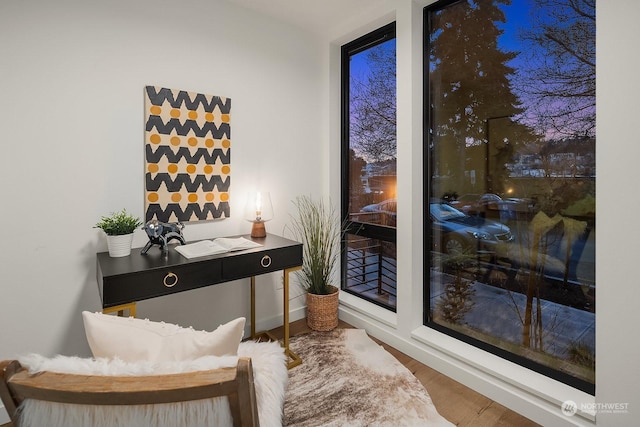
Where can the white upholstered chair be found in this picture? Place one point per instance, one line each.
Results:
(243, 389)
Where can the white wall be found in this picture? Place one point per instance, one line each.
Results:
(72, 75)
(71, 79)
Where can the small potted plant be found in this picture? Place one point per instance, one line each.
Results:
(119, 227)
(318, 228)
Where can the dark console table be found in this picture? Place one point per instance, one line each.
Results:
(125, 280)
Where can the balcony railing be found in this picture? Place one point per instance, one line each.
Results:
(371, 270)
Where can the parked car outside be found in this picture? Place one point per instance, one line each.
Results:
(454, 231)
(383, 213)
(493, 206)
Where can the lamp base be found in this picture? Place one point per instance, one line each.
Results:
(258, 229)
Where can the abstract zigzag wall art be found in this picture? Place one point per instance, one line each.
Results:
(187, 155)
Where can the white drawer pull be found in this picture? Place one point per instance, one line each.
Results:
(170, 280)
(265, 261)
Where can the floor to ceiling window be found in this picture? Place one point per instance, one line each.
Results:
(510, 178)
(369, 166)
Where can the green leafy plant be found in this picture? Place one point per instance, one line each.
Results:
(317, 226)
(118, 223)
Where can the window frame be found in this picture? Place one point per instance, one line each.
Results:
(387, 234)
(428, 320)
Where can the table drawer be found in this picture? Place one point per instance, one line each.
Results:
(261, 263)
(164, 281)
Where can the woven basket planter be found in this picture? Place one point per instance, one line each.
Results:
(322, 310)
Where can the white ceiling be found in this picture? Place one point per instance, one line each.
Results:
(318, 16)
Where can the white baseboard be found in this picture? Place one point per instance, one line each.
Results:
(266, 324)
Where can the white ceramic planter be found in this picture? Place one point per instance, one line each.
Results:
(119, 246)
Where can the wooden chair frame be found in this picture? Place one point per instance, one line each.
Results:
(236, 383)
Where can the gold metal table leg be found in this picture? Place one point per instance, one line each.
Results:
(253, 307)
(131, 307)
(294, 359)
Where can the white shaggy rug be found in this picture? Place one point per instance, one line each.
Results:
(346, 379)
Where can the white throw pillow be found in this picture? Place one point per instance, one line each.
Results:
(133, 340)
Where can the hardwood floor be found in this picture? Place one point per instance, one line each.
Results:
(457, 403)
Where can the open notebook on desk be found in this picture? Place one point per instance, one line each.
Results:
(219, 245)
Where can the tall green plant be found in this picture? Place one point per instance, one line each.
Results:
(317, 226)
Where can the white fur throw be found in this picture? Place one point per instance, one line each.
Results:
(270, 377)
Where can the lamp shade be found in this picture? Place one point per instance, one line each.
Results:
(258, 210)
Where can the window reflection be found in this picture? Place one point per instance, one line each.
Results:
(511, 162)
